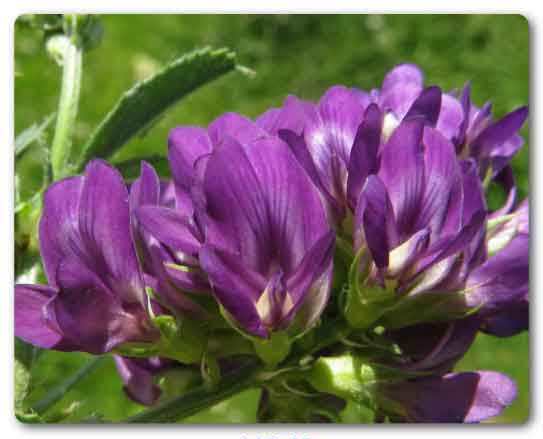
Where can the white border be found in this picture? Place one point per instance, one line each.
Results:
(11, 10)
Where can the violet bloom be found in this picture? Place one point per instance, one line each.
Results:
(502, 281)
(416, 219)
(138, 375)
(95, 299)
(468, 397)
(322, 136)
(268, 248)
(170, 268)
(172, 231)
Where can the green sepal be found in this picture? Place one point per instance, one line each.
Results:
(346, 376)
(364, 304)
(426, 308)
(182, 340)
(273, 350)
(210, 370)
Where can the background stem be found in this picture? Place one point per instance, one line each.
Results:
(58, 392)
(68, 105)
(201, 397)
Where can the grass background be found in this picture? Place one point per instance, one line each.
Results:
(291, 54)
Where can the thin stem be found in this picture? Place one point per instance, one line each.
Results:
(58, 392)
(68, 104)
(201, 397)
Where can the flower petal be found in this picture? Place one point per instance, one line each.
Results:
(426, 107)
(236, 288)
(105, 232)
(402, 172)
(400, 88)
(30, 324)
(363, 159)
(138, 381)
(470, 397)
(375, 216)
(273, 223)
(291, 116)
(185, 145)
(503, 279)
(236, 126)
(498, 132)
(89, 315)
(170, 227)
(59, 231)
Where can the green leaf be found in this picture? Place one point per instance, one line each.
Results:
(32, 134)
(142, 104)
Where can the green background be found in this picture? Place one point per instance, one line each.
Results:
(291, 54)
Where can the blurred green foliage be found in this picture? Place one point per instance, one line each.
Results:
(296, 54)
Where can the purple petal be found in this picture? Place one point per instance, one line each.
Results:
(299, 149)
(363, 159)
(58, 225)
(442, 174)
(375, 215)
(170, 227)
(426, 106)
(465, 102)
(238, 127)
(402, 172)
(400, 88)
(146, 188)
(436, 346)
(105, 232)
(401, 257)
(138, 381)
(315, 263)
(503, 279)
(236, 287)
(185, 146)
(89, 315)
(291, 116)
(30, 324)
(470, 397)
(329, 136)
(450, 118)
(499, 132)
(276, 221)
(508, 322)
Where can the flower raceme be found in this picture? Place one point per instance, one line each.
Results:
(366, 207)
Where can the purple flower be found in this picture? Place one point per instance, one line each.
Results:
(419, 211)
(268, 248)
(95, 299)
(138, 377)
(170, 229)
(247, 214)
(455, 397)
(168, 243)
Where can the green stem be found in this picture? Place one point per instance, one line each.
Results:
(58, 392)
(68, 104)
(201, 397)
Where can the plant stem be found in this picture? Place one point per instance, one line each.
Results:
(68, 104)
(58, 392)
(201, 397)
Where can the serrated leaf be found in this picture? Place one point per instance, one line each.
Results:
(146, 101)
(34, 133)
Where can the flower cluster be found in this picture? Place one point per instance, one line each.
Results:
(365, 212)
